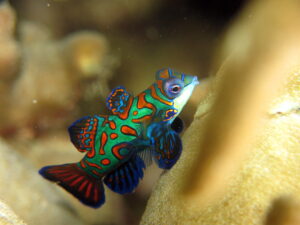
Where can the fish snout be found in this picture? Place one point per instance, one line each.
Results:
(195, 80)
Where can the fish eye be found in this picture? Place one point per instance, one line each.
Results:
(173, 87)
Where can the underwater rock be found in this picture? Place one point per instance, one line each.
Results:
(242, 151)
(30, 196)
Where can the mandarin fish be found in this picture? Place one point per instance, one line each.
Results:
(119, 146)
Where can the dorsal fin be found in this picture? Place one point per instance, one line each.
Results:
(118, 100)
(83, 132)
(167, 73)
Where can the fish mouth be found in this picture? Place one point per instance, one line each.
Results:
(195, 81)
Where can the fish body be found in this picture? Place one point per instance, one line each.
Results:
(119, 146)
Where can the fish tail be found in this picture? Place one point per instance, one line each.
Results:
(86, 188)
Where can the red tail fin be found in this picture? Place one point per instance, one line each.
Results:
(89, 190)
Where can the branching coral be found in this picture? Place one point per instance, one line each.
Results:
(242, 151)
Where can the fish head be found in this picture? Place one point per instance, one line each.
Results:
(176, 87)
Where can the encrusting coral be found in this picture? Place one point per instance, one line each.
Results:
(242, 151)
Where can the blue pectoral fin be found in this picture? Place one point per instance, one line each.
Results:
(126, 177)
(167, 147)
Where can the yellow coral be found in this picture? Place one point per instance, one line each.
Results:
(8, 217)
(242, 151)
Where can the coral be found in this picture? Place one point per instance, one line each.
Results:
(241, 154)
(60, 15)
(57, 75)
(10, 53)
(23, 190)
(43, 80)
(87, 57)
(9, 56)
(55, 150)
(8, 217)
(242, 150)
